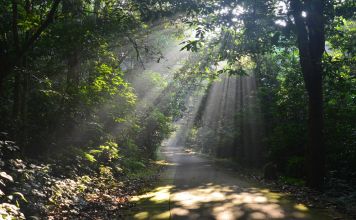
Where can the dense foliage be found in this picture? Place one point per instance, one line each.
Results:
(69, 100)
(306, 126)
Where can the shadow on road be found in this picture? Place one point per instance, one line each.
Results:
(193, 187)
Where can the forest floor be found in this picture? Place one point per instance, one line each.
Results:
(195, 187)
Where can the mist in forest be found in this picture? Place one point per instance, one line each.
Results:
(225, 120)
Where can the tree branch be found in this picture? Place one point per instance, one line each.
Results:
(39, 31)
(302, 40)
(7, 63)
(137, 51)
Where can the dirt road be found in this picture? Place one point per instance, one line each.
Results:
(193, 187)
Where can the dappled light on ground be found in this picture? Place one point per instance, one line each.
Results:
(159, 195)
(224, 201)
(164, 163)
(213, 201)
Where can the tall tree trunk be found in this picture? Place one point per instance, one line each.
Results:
(25, 89)
(16, 96)
(15, 34)
(4, 69)
(311, 45)
(315, 153)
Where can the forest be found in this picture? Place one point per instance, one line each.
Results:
(236, 109)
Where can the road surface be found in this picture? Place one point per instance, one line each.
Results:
(194, 187)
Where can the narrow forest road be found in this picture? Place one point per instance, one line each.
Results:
(193, 187)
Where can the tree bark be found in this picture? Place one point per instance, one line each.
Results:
(15, 34)
(311, 45)
(14, 26)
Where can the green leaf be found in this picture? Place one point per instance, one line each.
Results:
(90, 157)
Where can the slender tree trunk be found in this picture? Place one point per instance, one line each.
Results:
(16, 96)
(25, 89)
(17, 80)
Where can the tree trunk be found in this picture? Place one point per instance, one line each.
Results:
(24, 105)
(311, 45)
(315, 150)
(17, 81)
(4, 66)
(16, 96)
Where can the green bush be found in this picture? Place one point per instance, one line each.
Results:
(104, 154)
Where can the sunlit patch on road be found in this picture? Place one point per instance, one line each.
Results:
(158, 195)
(220, 202)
